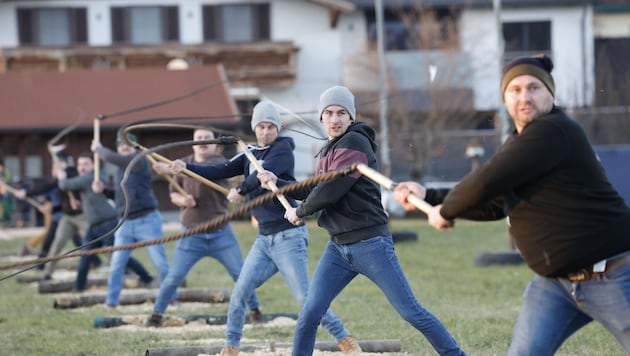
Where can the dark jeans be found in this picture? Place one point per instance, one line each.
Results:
(48, 240)
(93, 232)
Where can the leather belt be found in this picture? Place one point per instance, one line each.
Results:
(611, 264)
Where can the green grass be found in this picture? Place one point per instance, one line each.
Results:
(479, 305)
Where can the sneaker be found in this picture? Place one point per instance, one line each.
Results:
(350, 346)
(255, 316)
(229, 351)
(154, 321)
(24, 251)
(149, 284)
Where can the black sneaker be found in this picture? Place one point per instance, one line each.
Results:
(154, 321)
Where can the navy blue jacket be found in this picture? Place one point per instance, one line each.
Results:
(277, 158)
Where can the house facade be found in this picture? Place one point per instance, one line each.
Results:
(442, 58)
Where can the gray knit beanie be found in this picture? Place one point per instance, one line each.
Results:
(337, 95)
(265, 111)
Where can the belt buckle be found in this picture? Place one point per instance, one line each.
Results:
(580, 276)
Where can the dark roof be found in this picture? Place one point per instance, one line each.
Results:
(45, 101)
(472, 3)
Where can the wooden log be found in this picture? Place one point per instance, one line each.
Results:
(142, 296)
(178, 320)
(373, 346)
(29, 278)
(60, 286)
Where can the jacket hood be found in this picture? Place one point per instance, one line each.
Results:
(286, 140)
(365, 130)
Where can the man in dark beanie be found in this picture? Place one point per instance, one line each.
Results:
(569, 223)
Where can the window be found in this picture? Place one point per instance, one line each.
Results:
(57, 26)
(145, 25)
(415, 29)
(236, 23)
(523, 38)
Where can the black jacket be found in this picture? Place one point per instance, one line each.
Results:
(564, 213)
(351, 205)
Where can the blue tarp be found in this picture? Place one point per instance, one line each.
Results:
(616, 162)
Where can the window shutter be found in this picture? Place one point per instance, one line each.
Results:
(80, 25)
(119, 25)
(170, 14)
(262, 14)
(25, 26)
(209, 22)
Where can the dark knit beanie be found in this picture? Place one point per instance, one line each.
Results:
(539, 66)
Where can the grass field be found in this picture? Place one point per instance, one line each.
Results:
(479, 305)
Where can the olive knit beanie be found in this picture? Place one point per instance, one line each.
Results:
(539, 66)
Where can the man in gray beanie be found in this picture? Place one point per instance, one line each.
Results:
(360, 240)
(570, 224)
(265, 111)
(338, 95)
(280, 246)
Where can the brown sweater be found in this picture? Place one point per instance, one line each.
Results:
(210, 202)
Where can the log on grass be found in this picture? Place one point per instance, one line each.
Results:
(178, 320)
(212, 295)
(374, 346)
(60, 286)
(30, 278)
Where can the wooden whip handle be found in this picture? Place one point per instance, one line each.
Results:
(283, 200)
(97, 138)
(170, 179)
(29, 200)
(189, 173)
(389, 184)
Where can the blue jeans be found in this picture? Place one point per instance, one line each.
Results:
(285, 252)
(554, 308)
(219, 244)
(375, 259)
(93, 232)
(144, 228)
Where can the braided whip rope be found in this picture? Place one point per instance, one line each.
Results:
(207, 226)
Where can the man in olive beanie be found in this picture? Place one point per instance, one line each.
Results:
(537, 66)
(569, 223)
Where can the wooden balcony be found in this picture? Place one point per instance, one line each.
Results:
(246, 64)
